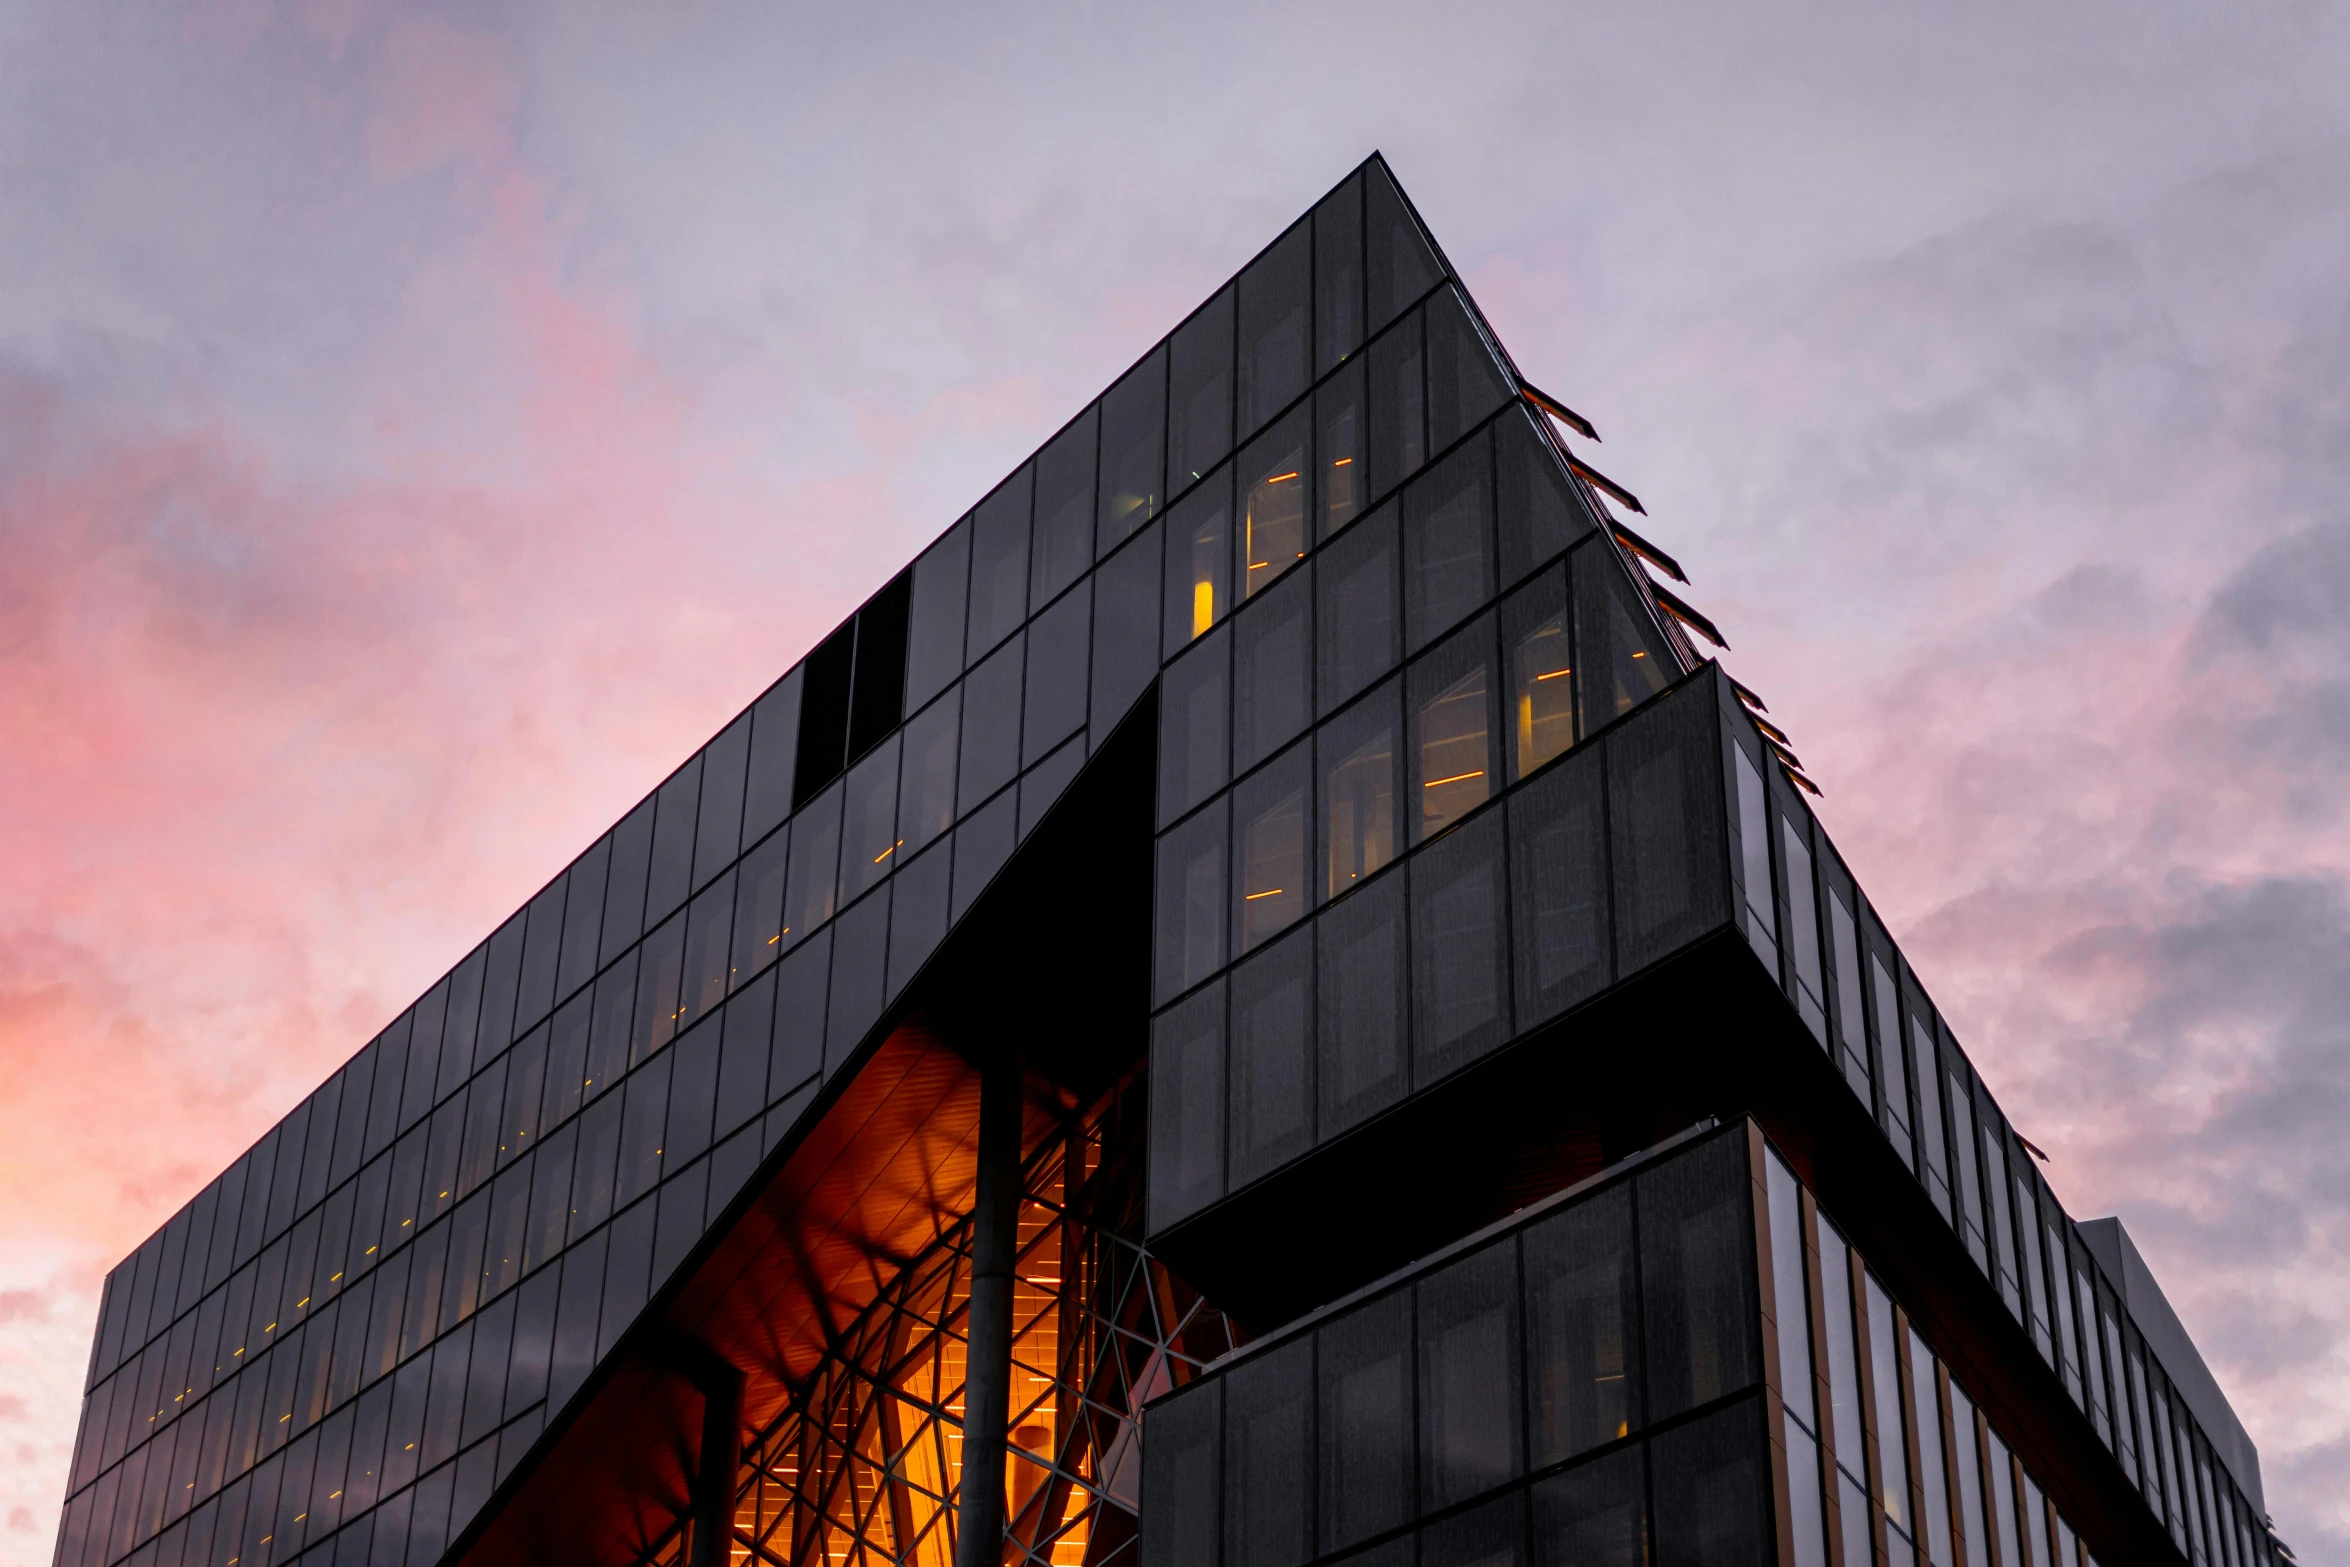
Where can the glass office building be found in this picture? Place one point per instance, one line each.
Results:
(1260, 1004)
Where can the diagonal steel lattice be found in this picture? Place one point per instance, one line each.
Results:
(861, 1468)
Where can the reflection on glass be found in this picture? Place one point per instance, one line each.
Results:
(1133, 433)
(869, 839)
(1338, 419)
(815, 854)
(926, 791)
(1274, 521)
(1271, 821)
(1199, 560)
(1542, 705)
(1358, 792)
(1357, 624)
(1638, 664)
(1451, 734)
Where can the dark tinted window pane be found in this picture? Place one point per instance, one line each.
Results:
(1593, 1516)
(982, 844)
(709, 952)
(1273, 326)
(497, 989)
(1361, 1016)
(868, 834)
(1448, 543)
(718, 831)
(595, 1158)
(758, 908)
(1187, 1108)
(673, 842)
(860, 963)
(627, 1274)
(1365, 1405)
(1625, 661)
(802, 984)
(934, 633)
(1398, 407)
(815, 857)
(999, 564)
(1199, 393)
(1125, 629)
(1469, 1376)
(926, 783)
(1340, 431)
(1697, 1277)
(1276, 477)
(1582, 1327)
(1134, 422)
(1465, 383)
(660, 982)
(991, 725)
(1199, 562)
(1541, 671)
(539, 952)
(1450, 694)
(1271, 827)
(1273, 667)
(1272, 1057)
(1558, 890)
(742, 1056)
(1267, 1487)
(918, 914)
(1057, 643)
(1666, 849)
(1338, 274)
(1708, 1478)
(459, 1032)
(642, 1123)
(1193, 735)
(1181, 1479)
(1460, 1006)
(1359, 626)
(775, 733)
(1401, 264)
(1541, 513)
(1190, 923)
(1064, 510)
(1356, 759)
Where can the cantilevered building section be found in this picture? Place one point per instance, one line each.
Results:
(1259, 1004)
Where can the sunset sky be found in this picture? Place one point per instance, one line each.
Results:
(421, 425)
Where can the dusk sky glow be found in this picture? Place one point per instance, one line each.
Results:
(421, 426)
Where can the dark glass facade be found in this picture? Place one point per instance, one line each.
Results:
(1290, 769)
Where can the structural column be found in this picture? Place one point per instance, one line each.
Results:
(987, 1384)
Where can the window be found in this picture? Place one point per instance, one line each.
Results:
(1187, 1108)
(1357, 759)
(1697, 1278)
(1398, 442)
(869, 838)
(1448, 543)
(1360, 1017)
(1469, 1376)
(1273, 670)
(1338, 424)
(1541, 513)
(1541, 673)
(934, 633)
(1464, 382)
(1338, 275)
(1754, 851)
(1271, 831)
(1460, 997)
(1357, 583)
(1275, 359)
(1064, 509)
(1364, 1369)
(999, 563)
(1803, 927)
(926, 784)
(1268, 1490)
(1199, 561)
(1925, 1387)
(1276, 478)
(1558, 889)
(1193, 734)
(1885, 1379)
(1272, 1089)
(991, 725)
(1190, 921)
(1133, 447)
(1451, 695)
(1199, 393)
(1582, 1325)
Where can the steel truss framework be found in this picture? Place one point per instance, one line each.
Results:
(862, 1467)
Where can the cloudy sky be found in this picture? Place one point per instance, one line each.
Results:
(420, 426)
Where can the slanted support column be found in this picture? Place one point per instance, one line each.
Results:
(987, 1385)
(720, 1464)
